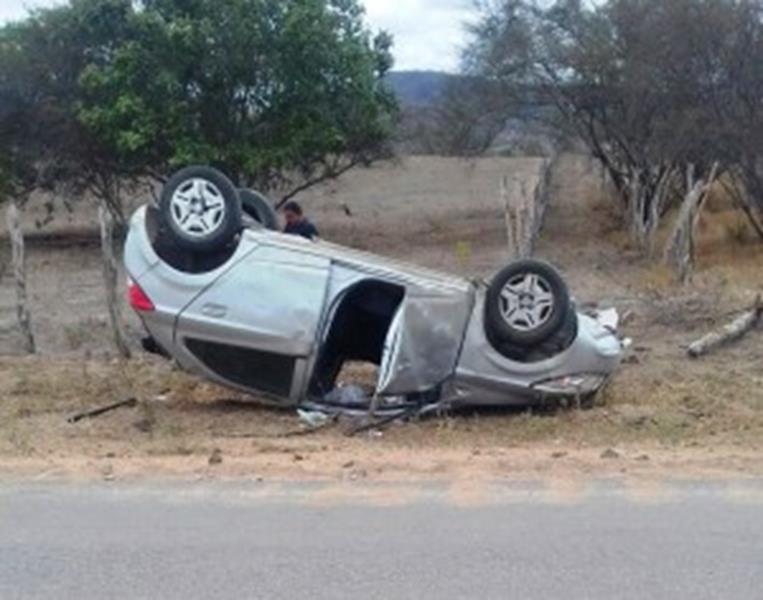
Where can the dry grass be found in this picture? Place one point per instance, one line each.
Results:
(660, 400)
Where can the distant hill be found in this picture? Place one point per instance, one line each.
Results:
(417, 89)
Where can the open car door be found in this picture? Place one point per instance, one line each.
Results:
(423, 343)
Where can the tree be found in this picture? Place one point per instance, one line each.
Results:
(20, 163)
(647, 85)
(276, 94)
(465, 120)
(13, 194)
(41, 60)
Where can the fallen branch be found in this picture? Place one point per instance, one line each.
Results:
(97, 412)
(731, 332)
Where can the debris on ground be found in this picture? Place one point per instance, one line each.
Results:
(374, 426)
(609, 318)
(216, 457)
(610, 454)
(313, 421)
(350, 396)
(108, 473)
(144, 425)
(313, 418)
(96, 412)
(732, 332)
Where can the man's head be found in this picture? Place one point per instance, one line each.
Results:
(292, 212)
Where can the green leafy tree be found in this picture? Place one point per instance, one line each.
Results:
(275, 93)
(98, 95)
(19, 173)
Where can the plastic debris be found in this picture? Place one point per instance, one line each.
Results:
(609, 318)
(313, 418)
(347, 395)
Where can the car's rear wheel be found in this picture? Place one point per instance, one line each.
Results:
(258, 207)
(526, 303)
(201, 209)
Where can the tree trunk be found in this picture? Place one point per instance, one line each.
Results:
(635, 202)
(752, 218)
(647, 193)
(657, 206)
(19, 273)
(110, 278)
(740, 195)
(680, 251)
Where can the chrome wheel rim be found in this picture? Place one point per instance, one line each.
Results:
(526, 302)
(198, 208)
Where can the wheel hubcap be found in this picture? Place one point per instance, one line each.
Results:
(526, 302)
(197, 208)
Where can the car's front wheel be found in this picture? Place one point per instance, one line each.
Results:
(201, 209)
(526, 304)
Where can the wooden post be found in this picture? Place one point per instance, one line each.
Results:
(19, 272)
(525, 222)
(111, 277)
(508, 213)
(524, 210)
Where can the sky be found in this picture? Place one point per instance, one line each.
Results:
(428, 33)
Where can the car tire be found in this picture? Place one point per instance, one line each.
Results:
(200, 209)
(526, 303)
(256, 206)
(560, 340)
(557, 343)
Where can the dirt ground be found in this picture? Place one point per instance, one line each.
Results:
(662, 416)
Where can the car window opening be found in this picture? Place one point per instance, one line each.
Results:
(354, 345)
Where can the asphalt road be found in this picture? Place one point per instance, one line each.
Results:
(249, 541)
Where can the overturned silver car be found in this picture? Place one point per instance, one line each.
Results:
(277, 315)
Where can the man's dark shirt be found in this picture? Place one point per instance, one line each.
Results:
(304, 228)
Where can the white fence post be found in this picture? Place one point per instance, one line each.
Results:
(18, 263)
(111, 277)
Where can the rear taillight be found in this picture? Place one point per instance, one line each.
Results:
(138, 298)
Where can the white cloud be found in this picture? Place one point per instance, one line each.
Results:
(429, 34)
(16, 9)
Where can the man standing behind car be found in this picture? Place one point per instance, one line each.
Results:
(297, 223)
